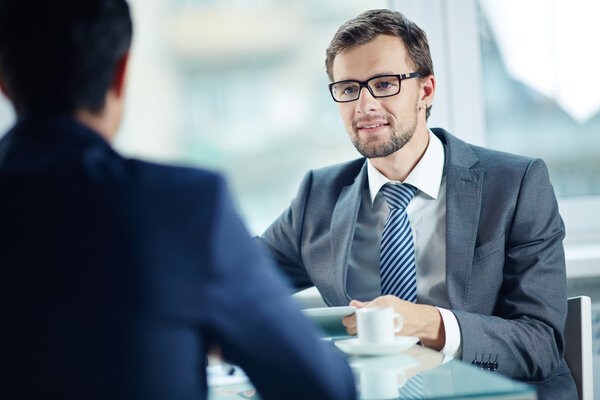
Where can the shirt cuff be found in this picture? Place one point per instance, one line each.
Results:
(452, 347)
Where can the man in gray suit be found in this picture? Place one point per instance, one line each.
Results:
(480, 273)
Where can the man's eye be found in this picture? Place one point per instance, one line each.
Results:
(349, 90)
(384, 85)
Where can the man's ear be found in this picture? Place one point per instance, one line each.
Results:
(428, 86)
(118, 84)
(427, 92)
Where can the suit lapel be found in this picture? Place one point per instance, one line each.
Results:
(343, 223)
(463, 204)
(464, 182)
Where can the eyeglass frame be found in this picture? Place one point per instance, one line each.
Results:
(365, 84)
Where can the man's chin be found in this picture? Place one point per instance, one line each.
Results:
(375, 151)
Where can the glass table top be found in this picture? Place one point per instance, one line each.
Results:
(417, 373)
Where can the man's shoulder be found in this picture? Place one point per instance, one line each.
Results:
(498, 158)
(457, 151)
(172, 199)
(146, 174)
(186, 187)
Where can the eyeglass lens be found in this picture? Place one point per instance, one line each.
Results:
(380, 86)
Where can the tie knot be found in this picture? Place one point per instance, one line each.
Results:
(399, 195)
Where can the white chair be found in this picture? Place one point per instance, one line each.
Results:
(578, 345)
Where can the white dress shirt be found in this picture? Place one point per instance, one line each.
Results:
(427, 216)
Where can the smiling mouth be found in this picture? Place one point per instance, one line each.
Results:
(372, 123)
(371, 126)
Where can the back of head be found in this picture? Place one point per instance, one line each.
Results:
(60, 55)
(372, 23)
(68, 280)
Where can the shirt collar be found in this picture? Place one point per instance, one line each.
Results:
(426, 176)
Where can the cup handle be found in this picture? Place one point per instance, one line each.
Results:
(398, 320)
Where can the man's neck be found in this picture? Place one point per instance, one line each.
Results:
(98, 122)
(397, 166)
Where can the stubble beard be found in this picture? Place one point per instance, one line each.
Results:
(374, 147)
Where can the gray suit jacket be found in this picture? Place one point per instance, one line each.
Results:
(505, 265)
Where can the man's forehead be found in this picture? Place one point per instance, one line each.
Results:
(385, 54)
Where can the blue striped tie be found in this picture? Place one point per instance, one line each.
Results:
(412, 389)
(397, 255)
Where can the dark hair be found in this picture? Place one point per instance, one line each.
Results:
(368, 25)
(61, 55)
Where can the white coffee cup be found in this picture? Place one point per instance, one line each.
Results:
(377, 325)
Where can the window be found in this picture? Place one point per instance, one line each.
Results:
(239, 86)
(540, 86)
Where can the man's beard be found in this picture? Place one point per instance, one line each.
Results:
(401, 134)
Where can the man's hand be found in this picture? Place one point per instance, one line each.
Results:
(419, 320)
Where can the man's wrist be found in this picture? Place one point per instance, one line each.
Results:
(452, 347)
(434, 334)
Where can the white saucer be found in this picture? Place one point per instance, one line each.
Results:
(353, 346)
(391, 362)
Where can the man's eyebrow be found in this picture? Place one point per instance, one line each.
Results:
(382, 74)
(369, 78)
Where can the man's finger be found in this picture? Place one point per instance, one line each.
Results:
(358, 304)
(349, 321)
(351, 330)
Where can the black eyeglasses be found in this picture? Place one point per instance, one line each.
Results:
(379, 86)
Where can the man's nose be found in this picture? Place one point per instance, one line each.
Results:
(366, 102)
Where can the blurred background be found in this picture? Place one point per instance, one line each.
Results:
(240, 86)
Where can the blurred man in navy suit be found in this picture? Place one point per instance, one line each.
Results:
(118, 275)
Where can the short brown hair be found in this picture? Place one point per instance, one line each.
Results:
(372, 23)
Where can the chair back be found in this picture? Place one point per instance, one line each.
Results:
(578, 345)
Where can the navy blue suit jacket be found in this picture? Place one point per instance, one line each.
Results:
(119, 275)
